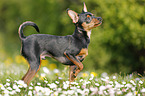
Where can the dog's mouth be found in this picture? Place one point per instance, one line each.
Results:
(98, 21)
(98, 24)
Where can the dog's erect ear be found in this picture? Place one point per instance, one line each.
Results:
(85, 8)
(73, 15)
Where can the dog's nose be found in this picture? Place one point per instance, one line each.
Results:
(99, 18)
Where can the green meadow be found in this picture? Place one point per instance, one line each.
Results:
(52, 81)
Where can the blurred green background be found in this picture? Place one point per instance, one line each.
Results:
(118, 45)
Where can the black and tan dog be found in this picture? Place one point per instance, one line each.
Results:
(69, 50)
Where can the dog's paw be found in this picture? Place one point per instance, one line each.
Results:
(74, 76)
(74, 72)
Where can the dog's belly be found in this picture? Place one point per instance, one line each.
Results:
(61, 59)
(64, 60)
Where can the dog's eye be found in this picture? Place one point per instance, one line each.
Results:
(88, 19)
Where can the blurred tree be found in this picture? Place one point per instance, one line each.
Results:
(118, 45)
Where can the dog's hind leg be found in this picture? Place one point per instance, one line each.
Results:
(33, 69)
(33, 57)
(31, 52)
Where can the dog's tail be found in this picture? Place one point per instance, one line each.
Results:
(27, 23)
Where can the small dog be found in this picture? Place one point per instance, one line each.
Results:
(69, 50)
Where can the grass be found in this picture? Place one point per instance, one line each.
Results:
(54, 82)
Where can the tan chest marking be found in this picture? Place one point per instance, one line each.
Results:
(83, 52)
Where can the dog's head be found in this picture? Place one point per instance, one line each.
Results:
(85, 20)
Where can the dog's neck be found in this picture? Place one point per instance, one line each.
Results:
(81, 34)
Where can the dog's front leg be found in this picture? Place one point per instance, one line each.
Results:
(71, 72)
(76, 62)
